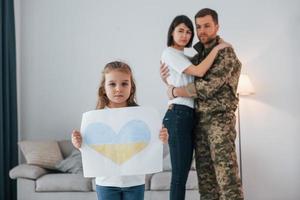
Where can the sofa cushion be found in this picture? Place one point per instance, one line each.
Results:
(72, 164)
(162, 180)
(42, 153)
(167, 163)
(66, 147)
(165, 150)
(63, 183)
(27, 171)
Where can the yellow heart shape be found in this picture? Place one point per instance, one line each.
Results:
(119, 153)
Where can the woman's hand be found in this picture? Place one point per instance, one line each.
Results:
(222, 44)
(164, 135)
(170, 92)
(76, 139)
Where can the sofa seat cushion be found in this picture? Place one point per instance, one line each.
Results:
(162, 180)
(63, 183)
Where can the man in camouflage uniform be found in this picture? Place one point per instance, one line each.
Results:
(215, 105)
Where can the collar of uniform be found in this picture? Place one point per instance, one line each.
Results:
(199, 47)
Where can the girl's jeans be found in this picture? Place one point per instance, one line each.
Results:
(179, 120)
(120, 193)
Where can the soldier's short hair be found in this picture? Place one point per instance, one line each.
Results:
(176, 21)
(207, 11)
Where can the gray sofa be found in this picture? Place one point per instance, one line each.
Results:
(36, 183)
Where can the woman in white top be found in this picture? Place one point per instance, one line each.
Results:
(179, 118)
(117, 89)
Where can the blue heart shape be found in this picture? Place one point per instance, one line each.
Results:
(132, 132)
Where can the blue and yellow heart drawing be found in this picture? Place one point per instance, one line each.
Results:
(119, 147)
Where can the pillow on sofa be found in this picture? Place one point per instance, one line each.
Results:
(42, 153)
(167, 163)
(27, 171)
(72, 164)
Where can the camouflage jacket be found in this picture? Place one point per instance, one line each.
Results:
(216, 90)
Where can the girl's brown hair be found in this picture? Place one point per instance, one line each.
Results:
(121, 67)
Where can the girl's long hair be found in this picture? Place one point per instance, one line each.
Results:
(121, 67)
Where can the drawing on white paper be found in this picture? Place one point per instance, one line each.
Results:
(132, 138)
(121, 142)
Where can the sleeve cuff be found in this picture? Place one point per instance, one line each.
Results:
(191, 90)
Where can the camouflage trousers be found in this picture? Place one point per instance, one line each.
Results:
(216, 160)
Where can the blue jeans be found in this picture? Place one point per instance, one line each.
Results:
(120, 193)
(179, 120)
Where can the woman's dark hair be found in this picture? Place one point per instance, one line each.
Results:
(176, 21)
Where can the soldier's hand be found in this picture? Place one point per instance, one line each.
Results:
(164, 72)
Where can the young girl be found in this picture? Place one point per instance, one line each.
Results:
(180, 116)
(117, 89)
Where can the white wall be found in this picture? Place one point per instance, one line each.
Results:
(64, 44)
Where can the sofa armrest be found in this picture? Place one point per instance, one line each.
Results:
(27, 171)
